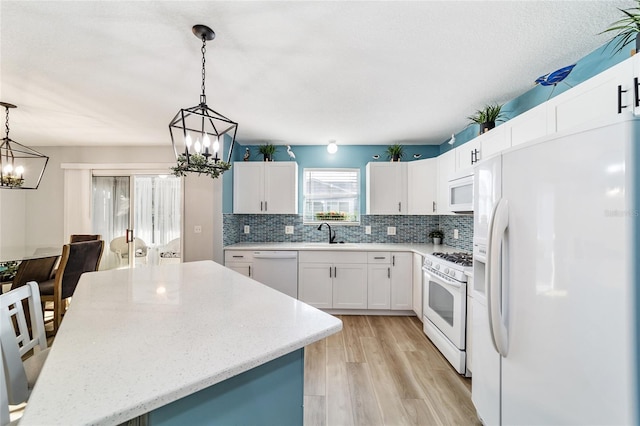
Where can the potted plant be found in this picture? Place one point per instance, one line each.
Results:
(395, 152)
(267, 150)
(487, 117)
(437, 236)
(627, 29)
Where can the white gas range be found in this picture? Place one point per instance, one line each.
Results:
(445, 304)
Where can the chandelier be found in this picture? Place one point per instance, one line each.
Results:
(20, 167)
(197, 133)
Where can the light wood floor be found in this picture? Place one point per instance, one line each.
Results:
(383, 371)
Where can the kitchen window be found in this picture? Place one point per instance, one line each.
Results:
(331, 195)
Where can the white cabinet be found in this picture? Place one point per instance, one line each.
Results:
(265, 187)
(446, 167)
(603, 96)
(529, 125)
(239, 261)
(468, 154)
(386, 187)
(401, 281)
(417, 284)
(492, 142)
(390, 281)
(379, 289)
(422, 184)
(328, 279)
(315, 284)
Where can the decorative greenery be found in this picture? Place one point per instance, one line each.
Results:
(436, 233)
(331, 216)
(8, 270)
(12, 181)
(627, 28)
(198, 163)
(267, 149)
(487, 114)
(395, 151)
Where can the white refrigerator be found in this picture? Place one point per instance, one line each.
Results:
(554, 315)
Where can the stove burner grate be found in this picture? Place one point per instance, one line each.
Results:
(459, 258)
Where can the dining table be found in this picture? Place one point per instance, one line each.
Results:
(192, 343)
(27, 252)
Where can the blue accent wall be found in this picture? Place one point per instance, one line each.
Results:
(593, 64)
(316, 156)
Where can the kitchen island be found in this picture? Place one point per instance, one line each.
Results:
(192, 343)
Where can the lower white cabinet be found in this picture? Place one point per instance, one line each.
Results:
(356, 280)
(315, 285)
(401, 281)
(239, 261)
(337, 280)
(417, 284)
(379, 291)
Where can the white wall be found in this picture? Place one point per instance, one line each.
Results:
(42, 210)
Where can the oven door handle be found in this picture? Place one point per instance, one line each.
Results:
(493, 276)
(440, 281)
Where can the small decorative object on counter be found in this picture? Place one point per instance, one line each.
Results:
(267, 150)
(331, 216)
(437, 236)
(395, 152)
(247, 154)
(487, 117)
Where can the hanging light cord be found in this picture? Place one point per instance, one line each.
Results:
(203, 96)
(6, 123)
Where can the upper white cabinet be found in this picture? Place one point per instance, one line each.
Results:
(468, 154)
(265, 187)
(422, 181)
(528, 126)
(446, 167)
(386, 184)
(607, 94)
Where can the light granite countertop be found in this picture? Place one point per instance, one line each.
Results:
(421, 249)
(136, 339)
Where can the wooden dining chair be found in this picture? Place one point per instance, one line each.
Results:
(77, 258)
(17, 339)
(77, 238)
(37, 270)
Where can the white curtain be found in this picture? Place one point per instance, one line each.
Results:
(157, 209)
(110, 206)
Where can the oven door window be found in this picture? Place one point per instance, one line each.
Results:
(441, 301)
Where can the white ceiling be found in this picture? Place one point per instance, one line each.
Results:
(295, 72)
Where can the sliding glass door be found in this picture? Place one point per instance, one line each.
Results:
(139, 218)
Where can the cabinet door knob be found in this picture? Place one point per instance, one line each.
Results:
(620, 106)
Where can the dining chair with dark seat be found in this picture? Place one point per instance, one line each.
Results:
(38, 270)
(77, 258)
(77, 238)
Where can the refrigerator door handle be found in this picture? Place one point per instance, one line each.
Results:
(493, 276)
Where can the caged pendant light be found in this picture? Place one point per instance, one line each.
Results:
(20, 166)
(197, 133)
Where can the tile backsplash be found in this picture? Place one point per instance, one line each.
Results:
(409, 229)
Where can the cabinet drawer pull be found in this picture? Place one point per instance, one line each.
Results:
(620, 106)
(249, 270)
(388, 272)
(379, 257)
(330, 272)
(335, 272)
(265, 206)
(238, 256)
(260, 205)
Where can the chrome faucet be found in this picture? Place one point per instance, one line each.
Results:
(332, 235)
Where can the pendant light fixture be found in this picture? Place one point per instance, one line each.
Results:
(197, 133)
(20, 167)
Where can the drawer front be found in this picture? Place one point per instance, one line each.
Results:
(379, 257)
(332, 256)
(238, 256)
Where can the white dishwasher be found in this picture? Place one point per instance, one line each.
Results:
(277, 269)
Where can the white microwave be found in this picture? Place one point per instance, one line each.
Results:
(461, 194)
